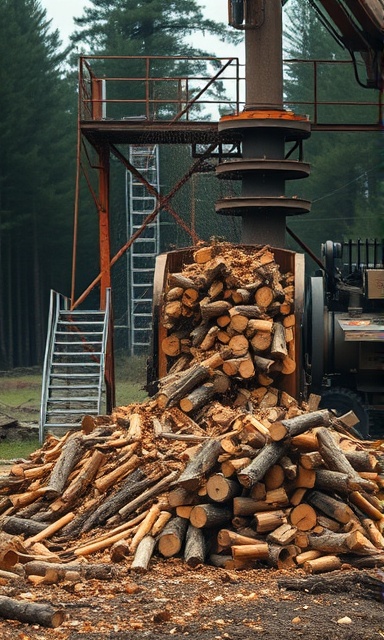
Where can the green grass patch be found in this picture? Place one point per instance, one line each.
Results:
(14, 449)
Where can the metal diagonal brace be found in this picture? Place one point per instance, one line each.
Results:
(163, 202)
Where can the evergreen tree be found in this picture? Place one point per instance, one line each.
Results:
(36, 178)
(345, 178)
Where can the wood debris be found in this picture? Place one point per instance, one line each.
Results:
(239, 476)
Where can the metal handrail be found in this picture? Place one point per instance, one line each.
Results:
(104, 340)
(57, 303)
(191, 89)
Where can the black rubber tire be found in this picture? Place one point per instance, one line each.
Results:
(344, 400)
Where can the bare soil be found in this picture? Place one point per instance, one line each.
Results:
(200, 604)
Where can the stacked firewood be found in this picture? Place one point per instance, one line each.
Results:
(302, 493)
(222, 465)
(238, 306)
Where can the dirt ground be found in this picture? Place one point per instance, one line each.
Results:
(201, 604)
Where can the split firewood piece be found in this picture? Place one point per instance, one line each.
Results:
(31, 612)
(241, 296)
(195, 547)
(172, 537)
(84, 478)
(212, 271)
(255, 325)
(196, 469)
(216, 289)
(104, 482)
(203, 254)
(303, 517)
(305, 478)
(307, 555)
(269, 455)
(322, 564)
(373, 532)
(171, 314)
(230, 467)
(362, 503)
(299, 424)
(337, 461)
(226, 538)
(50, 530)
(250, 551)
(210, 338)
(209, 515)
(159, 524)
(269, 520)
(143, 554)
(188, 380)
(68, 459)
(190, 298)
(331, 507)
(305, 441)
(311, 460)
(222, 489)
(284, 534)
(145, 527)
(279, 345)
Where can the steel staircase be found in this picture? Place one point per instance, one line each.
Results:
(74, 366)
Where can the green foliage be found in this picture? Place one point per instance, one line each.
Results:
(346, 180)
(37, 138)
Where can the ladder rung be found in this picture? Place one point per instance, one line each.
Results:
(90, 354)
(70, 376)
(74, 343)
(67, 412)
(77, 387)
(73, 399)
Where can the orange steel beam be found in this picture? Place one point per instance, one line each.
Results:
(161, 204)
(104, 226)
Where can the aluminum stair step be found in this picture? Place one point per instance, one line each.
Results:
(69, 412)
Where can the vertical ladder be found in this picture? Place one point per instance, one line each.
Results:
(145, 249)
(74, 365)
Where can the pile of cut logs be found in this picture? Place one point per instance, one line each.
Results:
(220, 466)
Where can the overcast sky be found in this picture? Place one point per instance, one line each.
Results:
(62, 12)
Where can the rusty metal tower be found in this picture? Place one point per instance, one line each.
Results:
(264, 128)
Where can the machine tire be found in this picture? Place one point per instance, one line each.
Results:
(343, 400)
